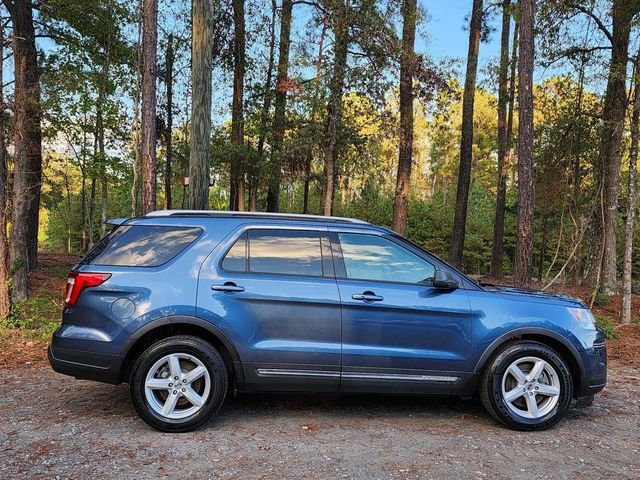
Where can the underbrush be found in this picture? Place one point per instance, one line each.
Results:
(608, 326)
(36, 319)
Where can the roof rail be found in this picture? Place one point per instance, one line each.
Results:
(262, 215)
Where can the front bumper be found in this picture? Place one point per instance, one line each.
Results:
(83, 363)
(595, 378)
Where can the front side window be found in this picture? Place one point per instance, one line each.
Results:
(370, 257)
(286, 252)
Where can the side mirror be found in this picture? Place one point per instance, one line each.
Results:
(444, 280)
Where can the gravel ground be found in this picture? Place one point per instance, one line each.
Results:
(57, 427)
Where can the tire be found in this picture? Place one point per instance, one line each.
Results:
(513, 397)
(183, 405)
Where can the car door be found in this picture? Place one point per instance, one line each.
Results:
(399, 333)
(274, 293)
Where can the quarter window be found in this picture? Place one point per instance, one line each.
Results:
(285, 252)
(236, 258)
(370, 257)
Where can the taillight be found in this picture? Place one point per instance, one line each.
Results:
(78, 281)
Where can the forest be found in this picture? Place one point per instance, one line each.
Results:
(520, 166)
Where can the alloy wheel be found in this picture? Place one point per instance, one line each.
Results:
(177, 386)
(530, 387)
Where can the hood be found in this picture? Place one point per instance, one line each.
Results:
(535, 296)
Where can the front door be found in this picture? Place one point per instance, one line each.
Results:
(274, 293)
(399, 333)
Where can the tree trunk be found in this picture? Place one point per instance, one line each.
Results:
(236, 200)
(5, 271)
(27, 172)
(614, 110)
(136, 120)
(524, 236)
(466, 141)
(168, 133)
(279, 118)
(503, 143)
(101, 157)
(631, 198)
(340, 25)
(543, 247)
(201, 47)
(149, 50)
(266, 107)
(405, 151)
(314, 118)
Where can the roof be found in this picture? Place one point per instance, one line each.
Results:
(259, 215)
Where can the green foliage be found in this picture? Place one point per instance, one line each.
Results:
(608, 326)
(37, 318)
(602, 300)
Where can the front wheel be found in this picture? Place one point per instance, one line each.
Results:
(178, 383)
(527, 386)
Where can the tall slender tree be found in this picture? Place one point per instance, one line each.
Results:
(631, 197)
(340, 22)
(27, 172)
(623, 13)
(280, 103)
(602, 268)
(199, 154)
(466, 141)
(149, 139)
(5, 271)
(236, 199)
(168, 130)
(101, 157)
(503, 142)
(405, 151)
(264, 114)
(524, 238)
(314, 117)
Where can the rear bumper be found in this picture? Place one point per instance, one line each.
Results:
(85, 364)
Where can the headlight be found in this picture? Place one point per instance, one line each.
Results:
(584, 317)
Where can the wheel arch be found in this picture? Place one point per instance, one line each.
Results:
(165, 327)
(547, 337)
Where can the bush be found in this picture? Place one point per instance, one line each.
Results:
(37, 317)
(601, 299)
(608, 326)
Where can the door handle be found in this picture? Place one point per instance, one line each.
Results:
(367, 297)
(228, 287)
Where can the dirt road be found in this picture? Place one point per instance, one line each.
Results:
(57, 427)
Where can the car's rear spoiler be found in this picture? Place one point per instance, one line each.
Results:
(115, 222)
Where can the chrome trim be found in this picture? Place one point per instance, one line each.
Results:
(280, 372)
(398, 376)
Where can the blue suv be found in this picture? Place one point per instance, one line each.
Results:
(186, 306)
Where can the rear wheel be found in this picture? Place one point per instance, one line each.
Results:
(178, 383)
(527, 386)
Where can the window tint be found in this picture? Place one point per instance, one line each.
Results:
(369, 257)
(141, 245)
(236, 258)
(285, 252)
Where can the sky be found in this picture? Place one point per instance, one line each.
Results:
(447, 29)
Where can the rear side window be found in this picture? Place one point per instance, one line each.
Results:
(285, 252)
(141, 245)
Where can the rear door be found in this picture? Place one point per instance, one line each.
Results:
(273, 292)
(399, 333)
